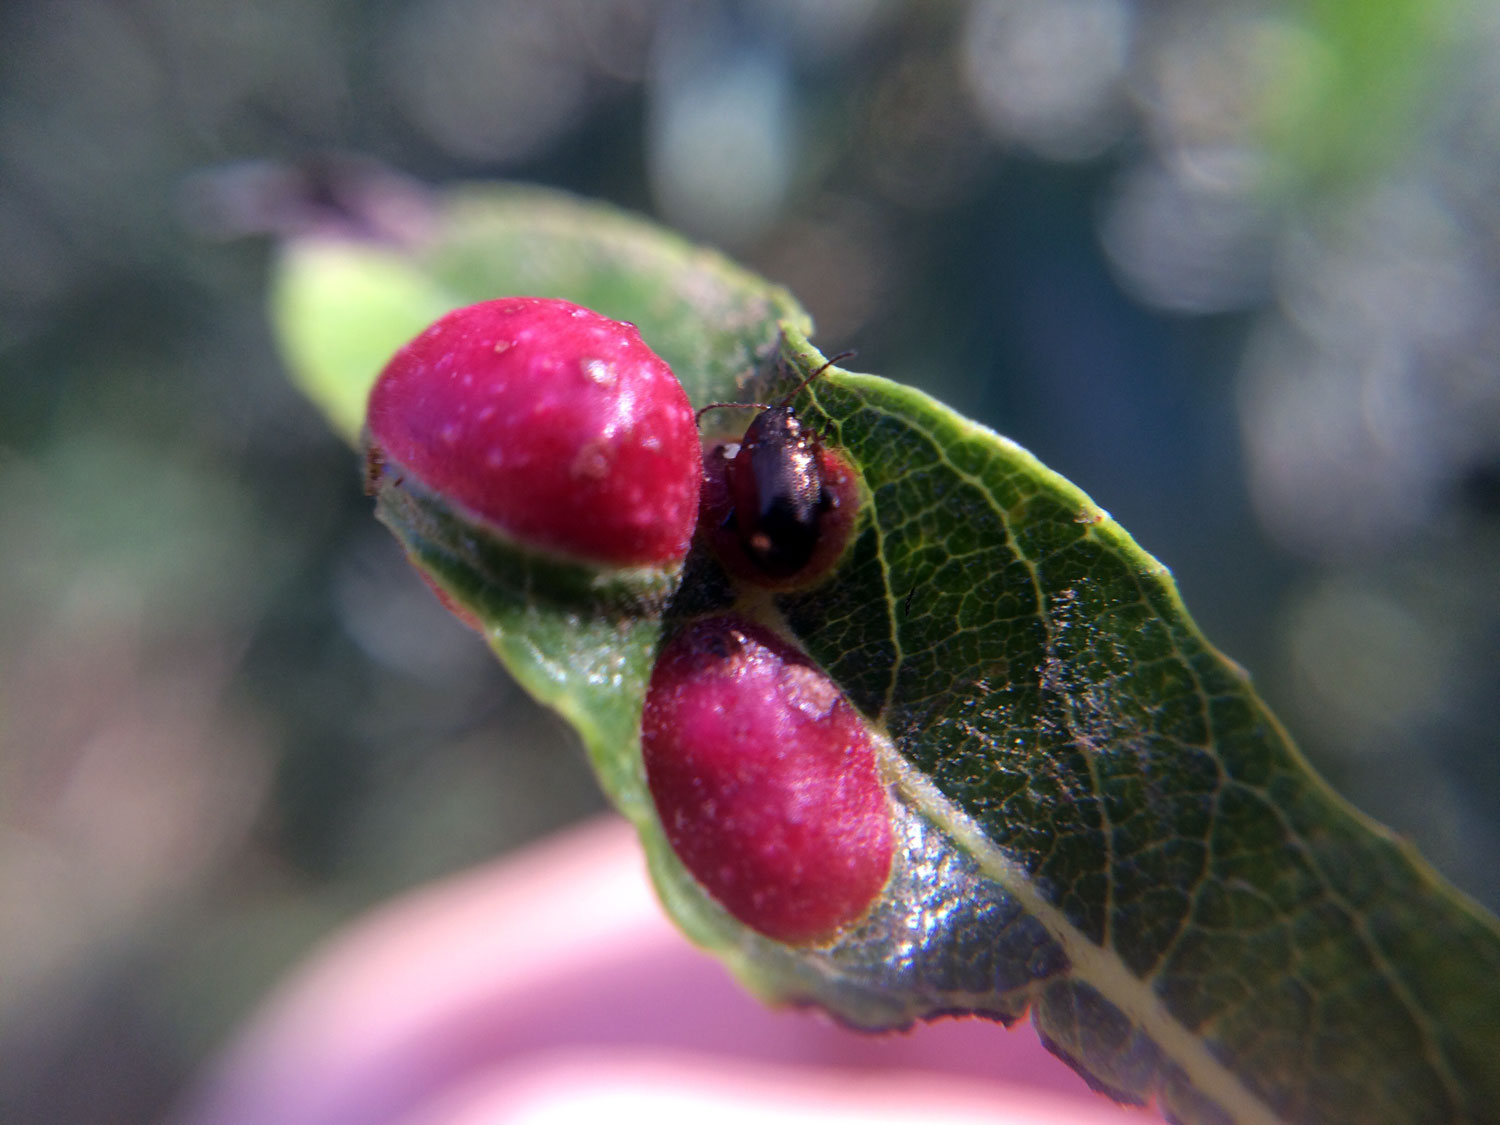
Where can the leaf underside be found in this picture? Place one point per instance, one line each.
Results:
(1101, 823)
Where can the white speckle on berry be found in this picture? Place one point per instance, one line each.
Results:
(600, 372)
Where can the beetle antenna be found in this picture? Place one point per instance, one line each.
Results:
(698, 417)
(826, 365)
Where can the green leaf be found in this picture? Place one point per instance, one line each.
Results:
(1100, 822)
(342, 306)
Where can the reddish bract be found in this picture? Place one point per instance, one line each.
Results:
(552, 422)
(765, 781)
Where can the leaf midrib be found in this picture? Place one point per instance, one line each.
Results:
(1096, 964)
(1099, 967)
(1136, 1000)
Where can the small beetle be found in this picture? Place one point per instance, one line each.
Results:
(776, 484)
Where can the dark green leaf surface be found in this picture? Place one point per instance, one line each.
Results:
(1100, 822)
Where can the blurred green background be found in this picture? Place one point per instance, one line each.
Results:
(1233, 268)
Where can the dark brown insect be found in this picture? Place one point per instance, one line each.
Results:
(776, 484)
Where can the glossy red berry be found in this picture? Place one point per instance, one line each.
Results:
(765, 781)
(555, 424)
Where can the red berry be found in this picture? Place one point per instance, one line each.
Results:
(552, 422)
(765, 781)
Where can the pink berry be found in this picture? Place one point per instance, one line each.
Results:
(765, 781)
(555, 424)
